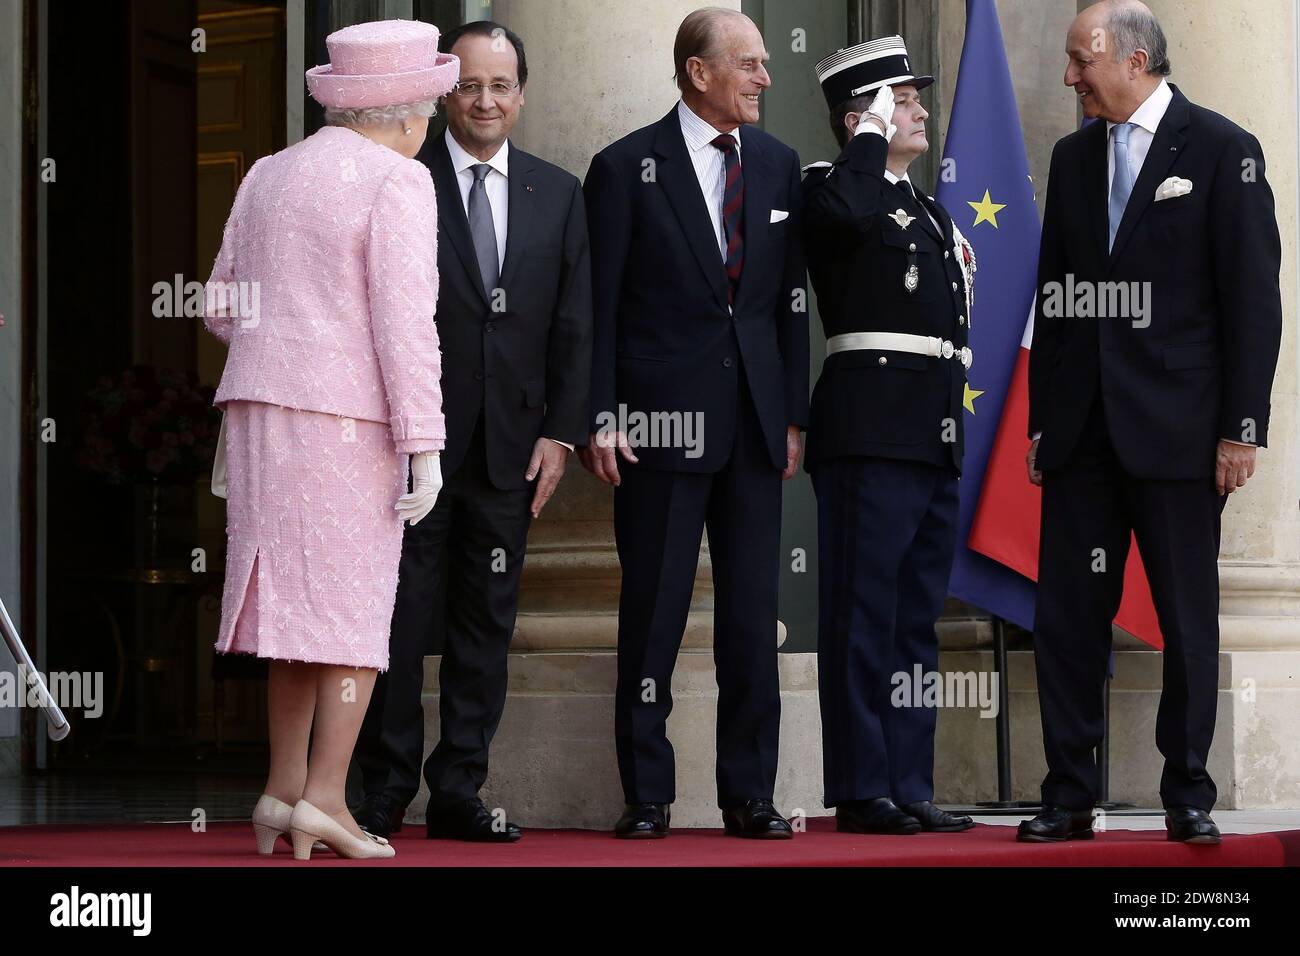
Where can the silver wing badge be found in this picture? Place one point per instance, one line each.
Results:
(902, 218)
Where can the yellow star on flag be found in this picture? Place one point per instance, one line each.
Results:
(986, 210)
(968, 399)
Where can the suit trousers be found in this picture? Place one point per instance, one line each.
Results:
(474, 542)
(659, 517)
(1090, 509)
(886, 535)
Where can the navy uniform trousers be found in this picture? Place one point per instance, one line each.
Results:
(473, 542)
(886, 533)
(659, 517)
(1090, 503)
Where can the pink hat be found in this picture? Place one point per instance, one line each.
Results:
(383, 63)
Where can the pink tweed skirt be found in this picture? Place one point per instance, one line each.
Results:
(313, 541)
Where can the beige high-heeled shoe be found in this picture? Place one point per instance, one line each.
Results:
(308, 824)
(270, 822)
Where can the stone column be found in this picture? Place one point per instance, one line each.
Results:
(597, 72)
(1259, 563)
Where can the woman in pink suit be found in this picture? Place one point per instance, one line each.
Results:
(325, 289)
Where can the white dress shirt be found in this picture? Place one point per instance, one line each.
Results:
(710, 165)
(1145, 119)
(496, 184)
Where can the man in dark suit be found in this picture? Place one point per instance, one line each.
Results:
(1143, 421)
(885, 440)
(700, 326)
(514, 324)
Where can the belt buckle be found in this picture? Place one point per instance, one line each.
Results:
(967, 356)
(946, 349)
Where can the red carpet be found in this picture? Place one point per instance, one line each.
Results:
(231, 844)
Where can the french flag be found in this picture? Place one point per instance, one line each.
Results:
(1006, 523)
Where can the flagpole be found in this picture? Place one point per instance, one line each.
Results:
(1103, 751)
(1004, 710)
(1004, 803)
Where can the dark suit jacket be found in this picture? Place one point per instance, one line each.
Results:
(1206, 361)
(664, 341)
(523, 358)
(910, 407)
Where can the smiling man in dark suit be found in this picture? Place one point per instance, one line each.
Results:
(1143, 422)
(514, 323)
(700, 319)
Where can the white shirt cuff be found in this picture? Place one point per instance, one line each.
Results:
(564, 443)
(1246, 443)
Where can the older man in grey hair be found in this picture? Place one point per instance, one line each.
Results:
(1143, 423)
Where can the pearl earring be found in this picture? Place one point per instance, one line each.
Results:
(406, 131)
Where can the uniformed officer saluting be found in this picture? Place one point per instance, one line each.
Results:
(885, 439)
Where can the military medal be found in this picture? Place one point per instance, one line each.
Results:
(902, 218)
(912, 277)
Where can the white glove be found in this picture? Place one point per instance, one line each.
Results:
(882, 108)
(220, 486)
(426, 482)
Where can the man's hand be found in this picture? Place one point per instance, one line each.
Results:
(793, 451)
(601, 459)
(1233, 464)
(1031, 462)
(881, 110)
(549, 459)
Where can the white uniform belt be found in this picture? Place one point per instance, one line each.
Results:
(899, 342)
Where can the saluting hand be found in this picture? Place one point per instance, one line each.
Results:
(882, 108)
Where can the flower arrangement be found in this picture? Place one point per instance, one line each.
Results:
(150, 425)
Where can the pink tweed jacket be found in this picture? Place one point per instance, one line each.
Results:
(326, 285)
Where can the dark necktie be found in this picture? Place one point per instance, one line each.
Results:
(929, 219)
(733, 213)
(482, 229)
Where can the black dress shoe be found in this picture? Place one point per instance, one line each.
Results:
(1056, 824)
(756, 820)
(379, 815)
(470, 821)
(880, 815)
(1190, 825)
(934, 820)
(643, 821)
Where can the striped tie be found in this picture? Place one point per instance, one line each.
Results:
(733, 213)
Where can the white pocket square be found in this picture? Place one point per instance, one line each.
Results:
(778, 215)
(1172, 187)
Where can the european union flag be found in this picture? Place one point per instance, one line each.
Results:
(984, 184)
